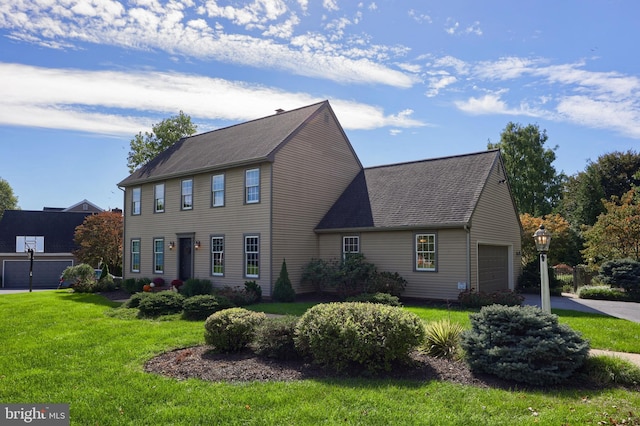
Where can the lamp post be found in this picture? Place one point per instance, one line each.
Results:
(542, 237)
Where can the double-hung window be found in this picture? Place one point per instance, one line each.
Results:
(217, 191)
(217, 256)
(135, 201)
(425, 252)
(187, 194)
(252, 256)
(252, 186)
(159, 198)
(350, 244)
(158, 255)
(135, 255)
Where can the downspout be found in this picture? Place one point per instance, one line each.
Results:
(468, 230)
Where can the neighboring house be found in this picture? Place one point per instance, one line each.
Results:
(50, 233)
(230, 205)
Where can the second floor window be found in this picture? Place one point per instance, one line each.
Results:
(158, 255)
(135, 255)
(187, 194)
(159, 196)
(135, 201)
(252, 186)
(217, 190)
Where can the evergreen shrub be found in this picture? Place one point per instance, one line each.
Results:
(442, 339)
(381, 298)
(135, 299)
(274, 338)
(478, 299)
(160, 303)
(200, 307)
(230, 330)
(82, 278)
(523, 344)
(254, 292)
(601, 292)
(195, 286)
(358, 335)
(623, 273)
(283, 290)
(387, 282)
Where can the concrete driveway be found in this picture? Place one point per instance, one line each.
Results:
(625, 310)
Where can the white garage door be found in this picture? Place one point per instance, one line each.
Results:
(493, 268)
(46, 273)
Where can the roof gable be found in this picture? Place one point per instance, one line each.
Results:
(242, 143)
(430, 193)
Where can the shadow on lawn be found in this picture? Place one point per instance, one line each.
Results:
(94, 298)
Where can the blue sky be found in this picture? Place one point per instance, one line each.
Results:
(408, 80)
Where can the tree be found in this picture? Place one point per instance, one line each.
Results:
(8, 201)
(562, 241)
(99, 239)
(616, 233)
(283, 290)
(535, 184)
(163, 135)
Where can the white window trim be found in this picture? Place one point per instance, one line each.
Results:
(134, 253)
(417, 253)
(136, 202)
(355, 238)
(156, 198)
(213, 273)
(214, 191)
(183, 195)
(246, 186)
(246, 256)
(155, 254)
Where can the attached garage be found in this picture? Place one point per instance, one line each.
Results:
(46, 273)
(493, 268)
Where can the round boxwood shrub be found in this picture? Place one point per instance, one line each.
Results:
(523, 344)
(274, 338)
(381, 298)
(160, 303)
(358, 335)
(135, 299)
(230, 330)
(202, 306)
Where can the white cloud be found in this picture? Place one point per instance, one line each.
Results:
(86, 100)
(439, 82)
(623, 117)
(331, 5)
(420, 17)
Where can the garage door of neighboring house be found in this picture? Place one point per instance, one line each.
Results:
(46, 273)
(493, 268)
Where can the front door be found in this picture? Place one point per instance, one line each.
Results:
(185, 258)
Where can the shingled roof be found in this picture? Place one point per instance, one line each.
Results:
(243, 143)
(57, 228)
(431, 193)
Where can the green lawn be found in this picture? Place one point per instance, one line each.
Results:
(60, 347)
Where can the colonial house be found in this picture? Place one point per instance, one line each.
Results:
(50, 233)
(231, 204)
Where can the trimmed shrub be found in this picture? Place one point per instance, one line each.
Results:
(82, 278)
(160, 303)
(478, 299)
(320, 274)
(283, 290)
(230, 330)
(523, 344)
(358, 335)
(380, 298)
(442, 339)
(601, 292)
(194, 286)
(274, 338)
(105, 283)
(254, 291)
(387, 282)
(200, 307)
(623, 273)
(354, 274)
(237, 296)
(135, 299)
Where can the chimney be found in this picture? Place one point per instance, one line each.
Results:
(279, 111)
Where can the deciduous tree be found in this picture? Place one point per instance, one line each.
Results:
(562, 243)
(164, 134)
(99, 239)
(8, 201)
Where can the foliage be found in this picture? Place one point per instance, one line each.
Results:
(283, 290)
(380, 298)
(478, 299)
(535, 184)
(623, 273)
(616, 233)
(237, 296)
(529, 280)
(607, 370)
(163, 135)
(195, 286)
(8, 201)
(105, 283)
(160, 303)
(523, 344)
(200, 307)
(82, 277)
(158, 282)
(387, 282)
(274, 338)
(99, 239)
(230, 330)
(442, 339)
(353, 275)
(601, 292)
(564, 242)
(361, 335)
(320, 273)
(135, 299)
(254, 290)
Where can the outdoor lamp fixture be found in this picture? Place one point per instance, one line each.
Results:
(542, 237)
(197, 245)
(172, 244)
